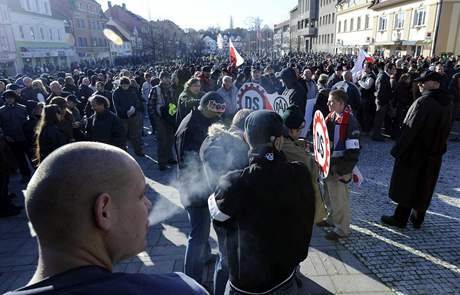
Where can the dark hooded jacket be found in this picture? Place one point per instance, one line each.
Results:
(294, 91)
(419, 150)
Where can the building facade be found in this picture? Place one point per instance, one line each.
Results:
(307, 24)
(405, 27)
(325, 41)
(85, 25)
(354, 26)
(7, 44)
(281, 35)
(40, 37)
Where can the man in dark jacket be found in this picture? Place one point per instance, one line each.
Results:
(13, 117)
(383, 96)
(293, 90)
(28, 92)
(164, 105)
(366, 111)
(56, 90)
(266, 211)
(126, 104)
(104, 126)
(193, 187)
(336, 77)
(418, 152)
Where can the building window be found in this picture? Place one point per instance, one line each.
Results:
(32, 33)
(51, 34)
(339, 28)
(383, 23)
(366, 22)
(344, 26)
(42, 34)
(59, 35)
(352, 25)
(419, 17)
(333, 17)
(21, 32)
(47, 9)
(332, 38)
(28, 4)
(399, 20)
(37, 5)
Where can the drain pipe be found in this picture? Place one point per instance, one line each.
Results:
(438, 16)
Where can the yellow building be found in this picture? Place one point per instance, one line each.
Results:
(447, 38)
(423, 27)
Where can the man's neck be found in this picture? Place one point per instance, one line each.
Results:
(52, 262)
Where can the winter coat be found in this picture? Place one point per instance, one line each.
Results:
(295, 93)
(419, 150)
(190, 135)
(221, 152)
(230, 100)
(187, 102)
(295, 152)
(383, 91)
(50, 139)
(270, 205)
(12, 120)
(107, 128)
(123, 100)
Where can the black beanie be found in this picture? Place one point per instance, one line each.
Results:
(261, 125)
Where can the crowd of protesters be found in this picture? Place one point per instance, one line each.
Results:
(246, 162)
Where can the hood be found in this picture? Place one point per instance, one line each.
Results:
(289, 77)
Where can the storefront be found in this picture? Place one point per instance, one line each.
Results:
(7, 64)
(39, 58)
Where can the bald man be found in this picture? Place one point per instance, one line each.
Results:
(88, 221)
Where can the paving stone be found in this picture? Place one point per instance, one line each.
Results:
(357, 283)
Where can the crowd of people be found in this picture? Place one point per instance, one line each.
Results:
(235, 166)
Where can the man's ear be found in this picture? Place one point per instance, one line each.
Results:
(278, 143)
(103, 211)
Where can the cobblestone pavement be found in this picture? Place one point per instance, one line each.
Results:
(407, 261)
(424, 261)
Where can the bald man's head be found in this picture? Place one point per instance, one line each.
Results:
(86, 191)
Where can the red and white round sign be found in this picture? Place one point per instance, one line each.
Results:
(254, 97)
(321, 144)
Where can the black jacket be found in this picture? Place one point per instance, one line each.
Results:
(333, 80)
(12, 120)
(419, 150)
(123, 100)
(50, 139)
(383, 91)
(107, 128)
(271, 207)
(189, 136)
(294, 91)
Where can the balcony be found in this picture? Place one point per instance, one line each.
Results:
(308, 32)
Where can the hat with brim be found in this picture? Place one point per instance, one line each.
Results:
(429, 76)
(10, 93)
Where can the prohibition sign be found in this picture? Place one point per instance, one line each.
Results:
(321, 144)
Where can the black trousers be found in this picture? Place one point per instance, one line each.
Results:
(20, 150)
(402, 214)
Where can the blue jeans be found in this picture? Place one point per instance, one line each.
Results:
(198, 249)
(221, 268)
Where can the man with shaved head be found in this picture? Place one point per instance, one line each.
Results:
(87, 206)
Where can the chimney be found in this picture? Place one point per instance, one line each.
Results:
(123, 5)
(109, 4)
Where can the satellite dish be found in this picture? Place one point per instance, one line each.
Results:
(112, 36)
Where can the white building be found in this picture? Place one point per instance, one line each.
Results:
(40, 37)
(325, 41)
(281, 38)
(7, 44)
(210, 45)
(355, 23)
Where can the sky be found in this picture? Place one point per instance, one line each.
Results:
(201, 14)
